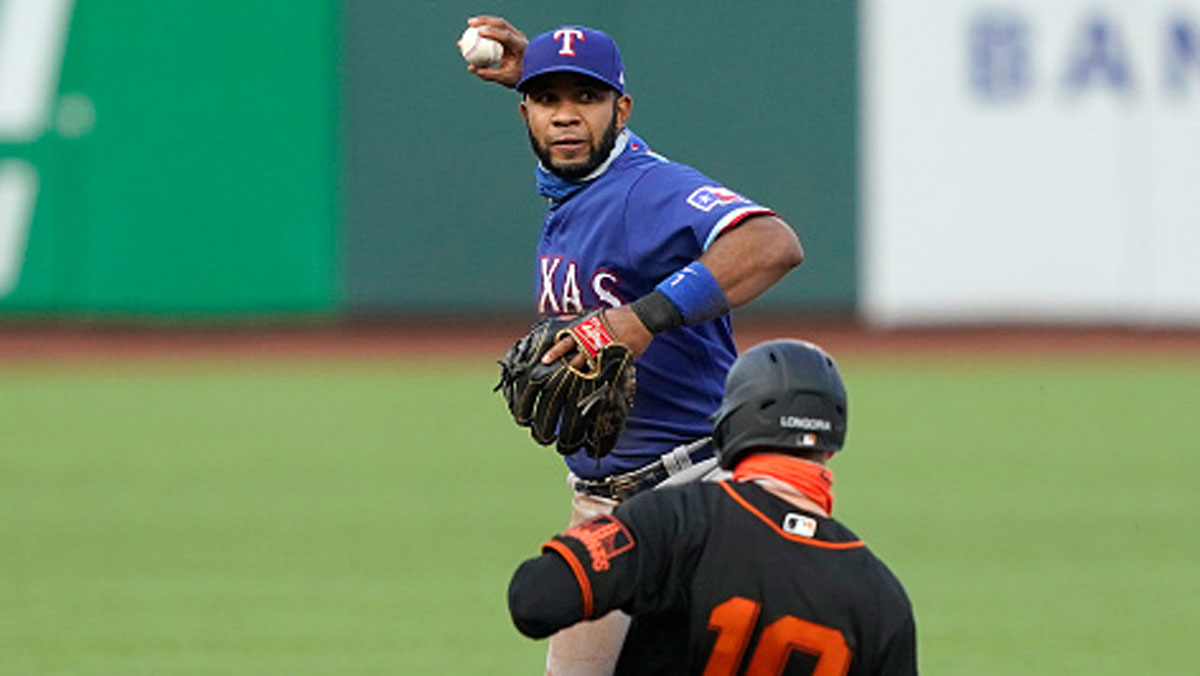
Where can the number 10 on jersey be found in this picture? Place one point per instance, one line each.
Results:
(734, 622)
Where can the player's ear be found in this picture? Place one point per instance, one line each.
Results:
(624, 108)
(524, 111)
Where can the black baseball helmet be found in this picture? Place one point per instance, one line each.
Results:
(782, 395)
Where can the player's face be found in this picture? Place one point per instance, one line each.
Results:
(573, 122)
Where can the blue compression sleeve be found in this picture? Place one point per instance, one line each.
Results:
(696, 293)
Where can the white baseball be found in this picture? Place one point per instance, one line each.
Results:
(478, 50)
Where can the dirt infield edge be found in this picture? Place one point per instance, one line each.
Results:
(491, 338)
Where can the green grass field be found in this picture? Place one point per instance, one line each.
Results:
(363, 517)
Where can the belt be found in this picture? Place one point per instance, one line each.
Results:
(621, 487)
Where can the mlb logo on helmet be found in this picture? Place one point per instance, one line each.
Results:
(573, 49)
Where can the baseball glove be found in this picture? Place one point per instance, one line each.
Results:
(579, 408)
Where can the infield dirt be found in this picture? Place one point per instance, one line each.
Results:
(488, 338)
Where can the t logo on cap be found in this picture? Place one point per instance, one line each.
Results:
(560, 51)
(568, 37)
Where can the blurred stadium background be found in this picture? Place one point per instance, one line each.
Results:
(257, 259)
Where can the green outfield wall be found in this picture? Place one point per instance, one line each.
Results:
(184, 163)
(217, 158)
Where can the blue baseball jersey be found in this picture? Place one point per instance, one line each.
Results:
(612, 242)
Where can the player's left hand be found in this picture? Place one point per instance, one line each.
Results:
(577, 407)
(508, 71)
(625, 327)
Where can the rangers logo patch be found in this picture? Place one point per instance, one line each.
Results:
(604, 537)
(709, 196)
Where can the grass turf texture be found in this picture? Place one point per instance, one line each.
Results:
(364, 517)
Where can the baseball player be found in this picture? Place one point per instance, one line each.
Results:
(745, 576)
(663, 250)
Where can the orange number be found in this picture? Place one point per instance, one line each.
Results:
(734, 621)
(789, 633)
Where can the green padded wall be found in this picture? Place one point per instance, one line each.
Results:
(186, 163)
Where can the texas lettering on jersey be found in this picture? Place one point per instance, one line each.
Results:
(560, 290)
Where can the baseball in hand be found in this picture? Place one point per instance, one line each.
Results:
(478, 50)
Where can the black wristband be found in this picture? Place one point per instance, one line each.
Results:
(657, 312)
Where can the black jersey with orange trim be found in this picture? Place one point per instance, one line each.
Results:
(723, 579)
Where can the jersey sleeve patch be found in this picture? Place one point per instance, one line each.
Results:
(604, 537)
(706, 197)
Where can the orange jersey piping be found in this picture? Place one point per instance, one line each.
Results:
(854, 544)
(585, 586)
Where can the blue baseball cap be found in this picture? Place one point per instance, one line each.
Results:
(574, 49)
